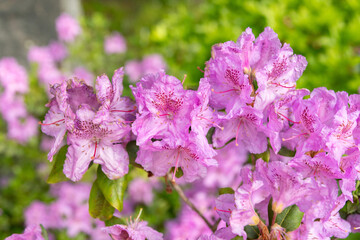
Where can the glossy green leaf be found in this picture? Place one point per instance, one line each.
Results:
(227, 190)
(252, 231)
(114, 220)
(98, 206)
(113, 190)
(290, 218)
(57, 174)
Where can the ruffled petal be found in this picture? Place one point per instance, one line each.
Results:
(114, 160)
(78, 157)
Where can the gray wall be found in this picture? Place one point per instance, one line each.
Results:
(30, 22)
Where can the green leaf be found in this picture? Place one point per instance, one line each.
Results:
(352, 236)
(352, 207)
(44, 232)
(179, 172)
(227, 190)
(270, 211)
(252, 231)
(57, 174)
(113, 190)
(237, 238)
(290, 218)
(286, 152)
(98, 206)
(114, 220)
(264, 156)
(210, 134)
(132, 150)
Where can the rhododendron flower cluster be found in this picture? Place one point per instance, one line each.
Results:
(247, 127)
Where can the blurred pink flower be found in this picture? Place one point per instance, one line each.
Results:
(188, 224)
(84, 74)
(40, 55)
(140, 190)
(13, 77)
(22, 130)
(134, 70)
(31, 232)
(115, 43)
(70, 211)
(67, 27)
(49, 74)
(46, 143)
(58, 51)
(21, 125)
(153, 63)
(38, 213)
(150, 64)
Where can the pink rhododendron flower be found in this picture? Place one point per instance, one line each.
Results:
(245, 125)
(67, 27)
(137, 230)
(164, 106)
(182, 154)
(231, 160)
(245, 199)
(115, 43)
(97, 125)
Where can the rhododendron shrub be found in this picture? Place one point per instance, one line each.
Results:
(257, 157)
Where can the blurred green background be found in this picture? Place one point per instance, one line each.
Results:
(325, 32)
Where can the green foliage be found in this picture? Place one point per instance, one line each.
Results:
(352, 236)
(99, 207)
(113, 190)
(290, 218)
(252, 232)
(114, 220)
(44, 232)
(286, 152)
(324, 31)
(227, 190)
(57, 174)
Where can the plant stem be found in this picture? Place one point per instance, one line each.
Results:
(178, 189)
